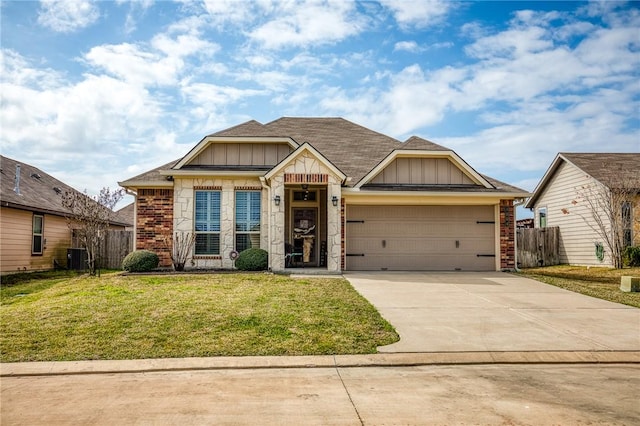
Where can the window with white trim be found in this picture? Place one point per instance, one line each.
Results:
(37, 234)
(207, 222)
(247, 220)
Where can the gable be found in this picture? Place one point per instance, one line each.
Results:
(422, 171)
(241, 154)
(408, 167)
(214, 151)
(306, 160)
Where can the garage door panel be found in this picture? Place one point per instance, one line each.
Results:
(432, 246)
(420, 238)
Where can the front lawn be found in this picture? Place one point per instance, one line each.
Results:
(603, 283)
(185, 315)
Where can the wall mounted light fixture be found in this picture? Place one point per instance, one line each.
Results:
(276, 200)
(334, 200)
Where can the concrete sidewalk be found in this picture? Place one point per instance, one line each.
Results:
(61, 368)
(494, 312)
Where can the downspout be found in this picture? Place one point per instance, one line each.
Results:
(516, 202)
(263, 182)
(135, 216)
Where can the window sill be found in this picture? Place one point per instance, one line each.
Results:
(207, 256)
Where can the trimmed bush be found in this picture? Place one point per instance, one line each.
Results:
(253, 259)
(631, 256)
(140, 261)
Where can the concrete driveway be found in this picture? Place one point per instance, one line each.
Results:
(494, 311)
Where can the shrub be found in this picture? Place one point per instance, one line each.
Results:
(253, 259)
(631, 256)
(140, 261)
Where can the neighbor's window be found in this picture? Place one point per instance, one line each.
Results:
(247, 220)
(207, 222)
(542, 217)
(627, 225)
(38, 232)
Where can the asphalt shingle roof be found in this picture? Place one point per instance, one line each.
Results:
(611, 169)
(39, 191)
(352, 148)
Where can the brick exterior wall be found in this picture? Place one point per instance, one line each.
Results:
(507, 235)
(154, 222)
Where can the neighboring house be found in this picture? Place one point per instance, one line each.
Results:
(127, 214)
(327, 193)
(562, 199)
(33, 225)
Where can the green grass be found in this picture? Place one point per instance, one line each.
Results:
(165, 316)
(603, 283)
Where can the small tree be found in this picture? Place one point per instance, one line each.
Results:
(90, 217)
(610, 212)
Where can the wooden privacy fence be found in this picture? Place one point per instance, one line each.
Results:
(538, 246)
(115, 246)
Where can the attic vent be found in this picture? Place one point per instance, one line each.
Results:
(36, 176)
(57, 189)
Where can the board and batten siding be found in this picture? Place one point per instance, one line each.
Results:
(15, 244)
(424, 171)
(242, 154)
(565, 210)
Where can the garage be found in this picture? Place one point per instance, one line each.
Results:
(420, 238)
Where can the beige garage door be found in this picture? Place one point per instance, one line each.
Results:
(420, 238)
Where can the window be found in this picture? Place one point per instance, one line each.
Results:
(37, 233)
(627, 225)
(207, 222)
(542, 217)
(247, 220)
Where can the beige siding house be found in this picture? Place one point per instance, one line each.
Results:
(34, 234)
(559, 200)
(329, 195)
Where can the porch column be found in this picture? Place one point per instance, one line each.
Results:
(334, 226)
(276, 223)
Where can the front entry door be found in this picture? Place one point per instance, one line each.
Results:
(304, 233)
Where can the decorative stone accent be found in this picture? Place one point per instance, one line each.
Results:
(184, 208)
(507, 235)
(343, 241)
(154, 222)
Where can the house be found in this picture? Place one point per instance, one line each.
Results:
(574, 194)
(127, 215)
(33, 224)
(330, 194)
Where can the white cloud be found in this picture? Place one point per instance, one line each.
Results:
(408, 46)
(160, 65)
(311, 22)
(67, 16)
(418, 13)
(232, 11)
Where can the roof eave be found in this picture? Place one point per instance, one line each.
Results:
(497, 194)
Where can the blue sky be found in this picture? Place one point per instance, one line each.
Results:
(97, 92)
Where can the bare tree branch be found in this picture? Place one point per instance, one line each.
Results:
(90, 217)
